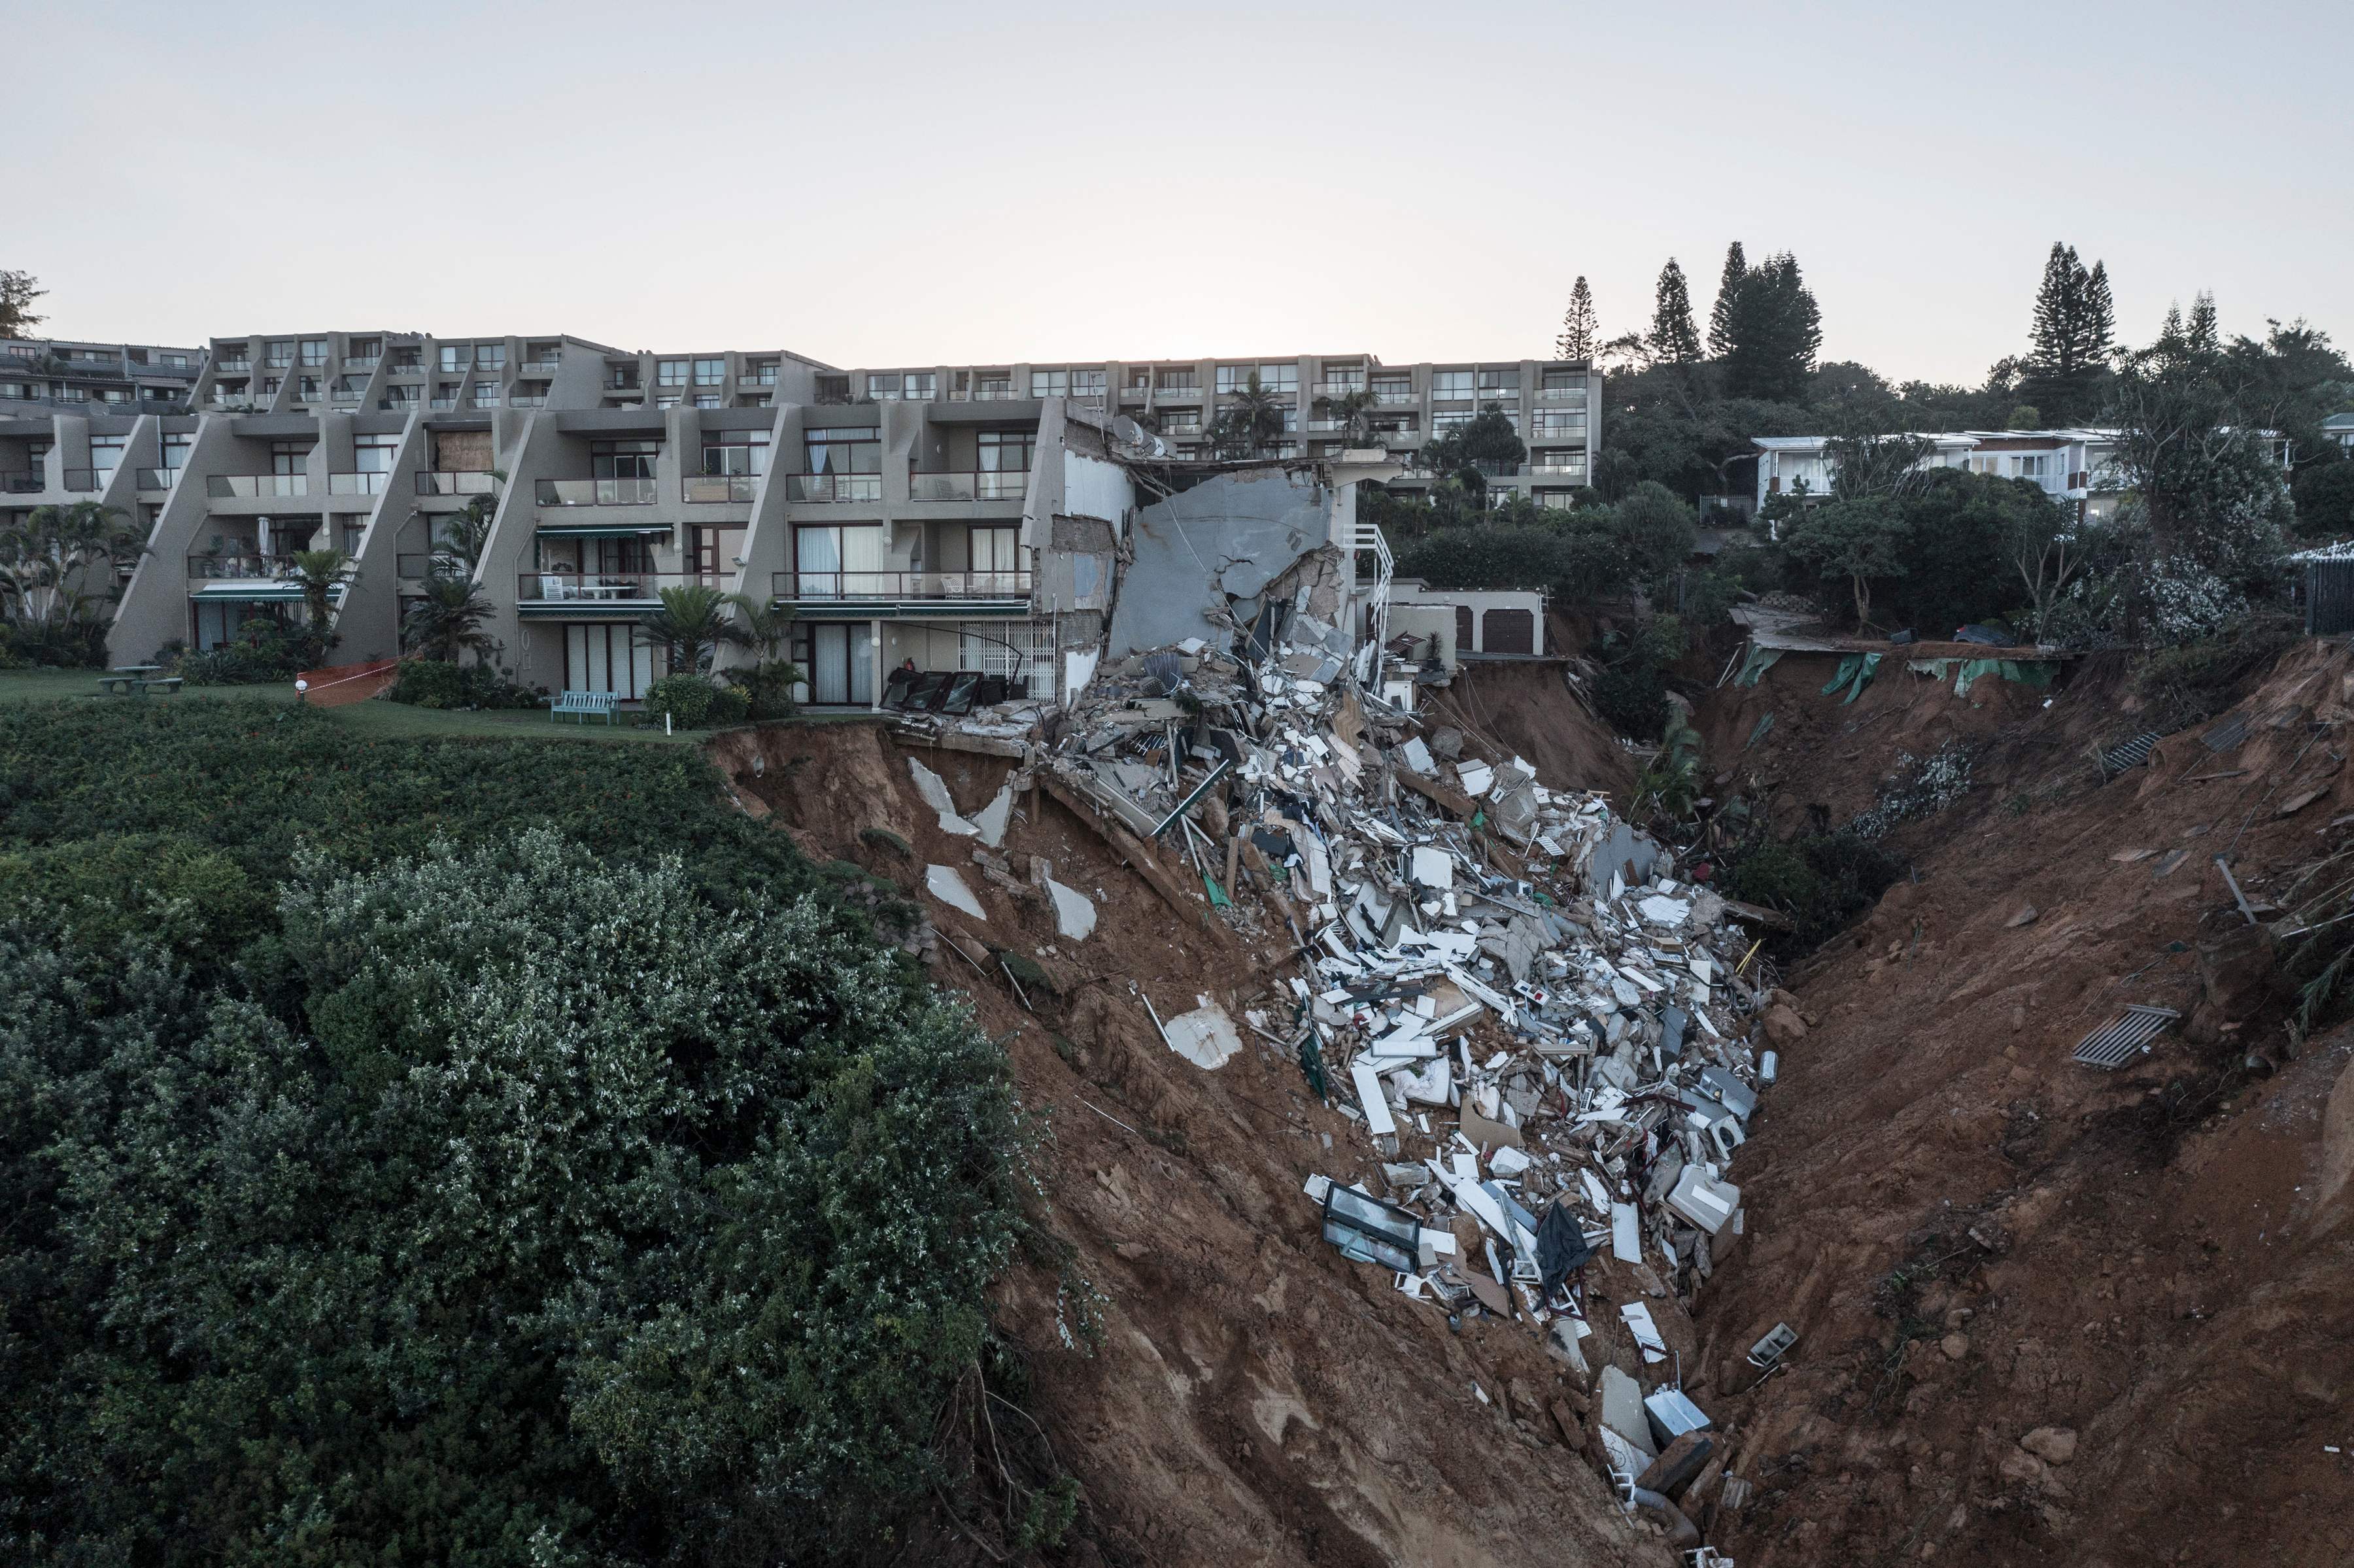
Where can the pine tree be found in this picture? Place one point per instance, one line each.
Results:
(2068, 341)
(2202, 334)
(2100, 314)
(1581, 333)
(1728, 288)
(2170, 331)
(1673, 340)
(1774, 332)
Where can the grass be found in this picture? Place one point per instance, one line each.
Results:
(373, 718)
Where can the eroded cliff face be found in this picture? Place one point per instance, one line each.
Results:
(2050, 1314)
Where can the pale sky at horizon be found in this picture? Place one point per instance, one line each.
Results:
(937, 183)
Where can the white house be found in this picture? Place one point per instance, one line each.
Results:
(2076, 465)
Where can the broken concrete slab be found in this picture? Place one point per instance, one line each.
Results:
(935, 792)
(1205, 1036)
(1622, 1412)
(995, 817)
(943, 882)
(1706, 1203)
(1074, 912)
(1228, 538)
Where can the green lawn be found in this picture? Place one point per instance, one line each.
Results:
(373, 717)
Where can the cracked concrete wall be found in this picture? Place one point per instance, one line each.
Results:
(1209, 553)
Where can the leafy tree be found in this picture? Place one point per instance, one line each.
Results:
(1487, 437)
(1581, 331)
(1251, 423)
(2026, 416)
(1859, 540)
(17, 292)
(2042, 540)
(450, 617)
(2202, 477)
(1728, 288)
(318, 572)
(58, 563)
(1353, 410)
(766, 629)
(2325, 501)
(1656, 530)
(1774, 331)
(1673, 340)
(1868, 463)
(2069, 341)
(694, 621)
(458, 537)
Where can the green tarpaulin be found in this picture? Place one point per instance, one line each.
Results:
(1855, 672)
(1754, 663)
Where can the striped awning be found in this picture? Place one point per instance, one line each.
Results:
(600, 530)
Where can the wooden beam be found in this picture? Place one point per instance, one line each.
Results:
(1460, 804)
(1132, 853)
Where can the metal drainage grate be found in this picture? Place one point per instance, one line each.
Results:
(2108, 1046)
(2227, 735)
(2132, 754)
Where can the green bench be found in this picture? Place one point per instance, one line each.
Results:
(587, 704)
(121, 684)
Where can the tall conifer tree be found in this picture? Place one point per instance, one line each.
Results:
(1581, 332)
(1728, 289)
(1673, 340)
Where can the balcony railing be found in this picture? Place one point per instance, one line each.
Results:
(1191, 389)
(1181, 427)
(234, 400)
(1326, 427)
(374, 483)
(22, 484)
(1395, 396)
(527, 400)
(1558, 429)
(407, 368)
(996, 486)
(239, 568)
(85, 479)
(361, 361)
(455, 481)
(805, 585)
(562, 584)
(441, 404)
(541, 367)
(232, 366)
(614, 384)
(755, 379)
(1561, 394)
(989, 392)
(711, 489)
(1573, 465)
(158, 478)
(595, 491)
(250, 486)
(826, 487)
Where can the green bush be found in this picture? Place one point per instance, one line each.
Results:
(396, 1178)
(1822, 882)
(441, 684)
(77, 645)
(263, 652)
(1632, 692)
(695, 702)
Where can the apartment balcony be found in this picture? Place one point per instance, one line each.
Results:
(1575, 467)
(233, 403)
(1396, 437)
(443, 405)
(898, 588)
(615, 384)
(995, 394)
(1339, 388)
(1545, 432)
(364, 362)
(158, 478)
(306, 397)
(756, 380)
(1561, 394)
(407, 368)
(595, 492)
(1395, 397)
(233, 366)
(1326, 427)
(80, 480)
(344, 399)
(541, 367)
(993, 486)
(22, 484)
(565, 588)
(255, 486)
(1181, 427)
(239, 566)
(526, 400)
(715, 489)
(456, 481)
(374, 483)
(819, 488)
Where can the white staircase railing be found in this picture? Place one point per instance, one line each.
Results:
(1377, 602)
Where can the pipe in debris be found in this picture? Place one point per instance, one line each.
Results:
(1681, 1532)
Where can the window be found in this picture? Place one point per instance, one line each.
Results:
(1450, 384)
(282, 355)
(1179, 383)
(486, 393)
(710, 372)
(761, 372)
(106, 455)
(1344, 377)
(15, 389)
(622, 458)
(670, 372)
(400, 395)
(1140, 381)
(2029, 465)
(175, 451)
(1393, 388)
(1500, 382)
(1561, 423)
(314, 352)
(834, 562)
(1445, 419)
(736, 451)
(289, 458)
(995, 385)
(616, 657)
(1050, 383)
(1564, 381)
(851, 449)
(306, 390)
(1006, 451)
(1087, 383)
(1281, 378)
(882, 387)
(350, 386)
(373, 454)
(916, 386)
(666, 400)
(173, 361)
(834, 388)
(456, 356)
(490, 356)
(708, 401)
(365, 347)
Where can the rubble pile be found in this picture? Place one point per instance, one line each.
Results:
(1545, 1033)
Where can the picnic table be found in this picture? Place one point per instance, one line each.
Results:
(125, 679)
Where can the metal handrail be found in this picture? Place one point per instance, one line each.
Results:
(993, 485)
(250, 486)
(712, 489)
(552, 584)
(242, 567)
(833, 487)
(832, 586)
(632, 491)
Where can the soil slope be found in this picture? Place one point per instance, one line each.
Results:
(2051, 1315)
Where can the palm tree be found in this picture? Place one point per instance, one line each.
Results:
(1251, 421)
(318, 572)
(1354, 412)
(47, 561)
(694, 621)
(767, 631)
(448, 620)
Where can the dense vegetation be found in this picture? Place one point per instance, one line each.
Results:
(396, 1177)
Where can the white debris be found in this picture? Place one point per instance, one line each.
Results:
(994, 818)
(943, 884)
(1205, 1036)
(1074, 912)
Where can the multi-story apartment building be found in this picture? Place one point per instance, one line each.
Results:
(39, 375)
(957, 516)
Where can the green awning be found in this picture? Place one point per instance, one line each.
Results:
(600, 530)
(257, 593)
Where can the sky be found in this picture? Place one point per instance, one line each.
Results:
(950, 184)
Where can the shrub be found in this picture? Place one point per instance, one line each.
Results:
(74, 645)
(441, 684)
(696, 702)
(1822, 882)
(262, 651)
(1632, 692)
